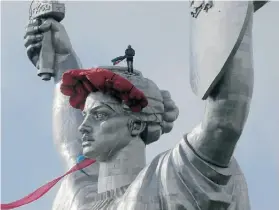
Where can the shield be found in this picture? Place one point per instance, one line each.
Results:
(216, 33)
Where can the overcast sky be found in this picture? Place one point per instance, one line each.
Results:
(159, 33)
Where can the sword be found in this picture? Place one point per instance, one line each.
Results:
(43, 10)
(221, 22)
(259, 4)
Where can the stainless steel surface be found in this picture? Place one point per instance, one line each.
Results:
(200, 172)
(45, 10)
(259, 4)
(215, 37)
(227, 106)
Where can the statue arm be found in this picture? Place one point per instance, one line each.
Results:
(67, 119)
(227, 108)
(67, 138)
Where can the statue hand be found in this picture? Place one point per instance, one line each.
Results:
(34, 35)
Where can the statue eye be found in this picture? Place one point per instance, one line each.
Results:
(100, 116)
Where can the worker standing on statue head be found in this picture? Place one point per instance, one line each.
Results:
(129, 54)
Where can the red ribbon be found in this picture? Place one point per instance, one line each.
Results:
(45, 188)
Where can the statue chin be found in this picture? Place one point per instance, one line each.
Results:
(89, 153)
(100, 157)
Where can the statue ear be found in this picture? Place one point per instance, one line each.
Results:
(136, 127)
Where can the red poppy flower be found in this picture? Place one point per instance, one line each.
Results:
(78, 83)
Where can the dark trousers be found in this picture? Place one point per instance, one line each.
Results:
(130, 66)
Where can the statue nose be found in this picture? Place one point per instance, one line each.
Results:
(85, 128)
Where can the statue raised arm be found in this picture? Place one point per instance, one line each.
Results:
(111, 115)
(223, 75)
(66, 119)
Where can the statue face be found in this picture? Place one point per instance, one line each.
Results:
(105, 127)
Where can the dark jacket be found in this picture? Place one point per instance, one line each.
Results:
(129, 53)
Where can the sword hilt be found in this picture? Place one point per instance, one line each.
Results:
(45, 10)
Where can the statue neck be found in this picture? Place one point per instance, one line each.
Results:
(123, 168)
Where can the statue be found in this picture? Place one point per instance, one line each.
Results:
(94, 116)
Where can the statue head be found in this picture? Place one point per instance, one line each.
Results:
(129, 46)
(110, 124)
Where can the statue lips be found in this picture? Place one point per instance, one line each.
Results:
(86, 141)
